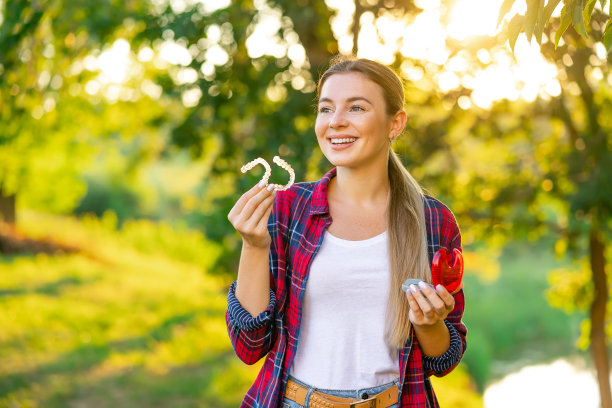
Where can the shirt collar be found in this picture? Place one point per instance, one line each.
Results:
(319, 204)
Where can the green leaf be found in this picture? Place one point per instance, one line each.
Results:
(577, 20)
(547, 12)
(566, 19)
(514, 28)
(538, 33)
(607, 36)
(504, 9)
(533, 9)
(603, 3)
(588, 11)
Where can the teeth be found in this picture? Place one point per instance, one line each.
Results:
(345, 140)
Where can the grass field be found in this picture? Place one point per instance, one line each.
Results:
(132, 320)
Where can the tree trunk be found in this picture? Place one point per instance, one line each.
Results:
(7, 207)
(314, 31)
(357, 25)
(598, 317)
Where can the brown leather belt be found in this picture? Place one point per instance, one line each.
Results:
(297, 392)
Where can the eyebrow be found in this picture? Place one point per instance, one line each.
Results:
(351, 99)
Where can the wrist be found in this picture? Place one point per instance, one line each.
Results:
(432, 327)
(434, 339)
(246, 246)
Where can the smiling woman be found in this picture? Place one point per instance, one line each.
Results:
(351, 335)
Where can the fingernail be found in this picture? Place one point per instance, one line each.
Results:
(261, 184)
(270, 187)
(423, 285)
(439, 288)
(413, 288)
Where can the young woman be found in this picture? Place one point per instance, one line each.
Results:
(319, 291)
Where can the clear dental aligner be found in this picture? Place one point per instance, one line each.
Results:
(254, 163)
(280, 162)
(286, 166)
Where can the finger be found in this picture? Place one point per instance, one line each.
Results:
(415, 309)
(424, 305)
(264, 220)
(260, 214)
(253, 203)
(446, 297)
(434, 299)
(242, 201)
(262, 227)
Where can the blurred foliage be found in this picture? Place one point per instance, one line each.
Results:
(510, 322)
(115, 196)
(569, 288)
(577, 13)
(54, 123)
(147, 237)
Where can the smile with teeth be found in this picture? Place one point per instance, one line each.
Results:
(344, 140)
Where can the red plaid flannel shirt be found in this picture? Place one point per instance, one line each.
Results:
(297, 224)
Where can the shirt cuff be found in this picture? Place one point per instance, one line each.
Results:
(241, 318)
(450, 358)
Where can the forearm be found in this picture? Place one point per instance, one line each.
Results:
(253, 282)
(433, 339)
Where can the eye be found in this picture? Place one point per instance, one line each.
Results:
(356, 108)
(324, 109)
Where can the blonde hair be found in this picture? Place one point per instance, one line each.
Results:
(405, 213)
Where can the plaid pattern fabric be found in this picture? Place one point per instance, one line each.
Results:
(297, 224)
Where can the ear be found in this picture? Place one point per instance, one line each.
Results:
(398, 121)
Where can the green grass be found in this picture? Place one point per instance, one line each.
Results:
(133, 321)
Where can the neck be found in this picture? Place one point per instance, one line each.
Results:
(361, 186)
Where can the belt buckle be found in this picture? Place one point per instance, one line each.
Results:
(371, 399)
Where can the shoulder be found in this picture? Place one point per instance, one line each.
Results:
(436, 212)
(433, 205)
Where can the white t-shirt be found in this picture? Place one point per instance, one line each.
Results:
(342, 342)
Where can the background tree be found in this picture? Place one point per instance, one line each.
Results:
(529, 170)
(49, 120)
(576, 13)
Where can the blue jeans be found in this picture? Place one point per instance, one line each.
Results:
(287, 403)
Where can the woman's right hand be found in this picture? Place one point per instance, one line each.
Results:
(249, 216)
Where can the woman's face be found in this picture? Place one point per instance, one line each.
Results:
(352, 126)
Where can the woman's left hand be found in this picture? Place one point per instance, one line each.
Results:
(429, 306)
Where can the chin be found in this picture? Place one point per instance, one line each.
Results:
(342, 163)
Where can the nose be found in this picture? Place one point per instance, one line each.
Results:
(338, 119)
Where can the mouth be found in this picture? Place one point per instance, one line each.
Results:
(342, 140)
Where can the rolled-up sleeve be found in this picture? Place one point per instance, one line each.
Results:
(238, 316)
(441, 364)
(251, 337)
